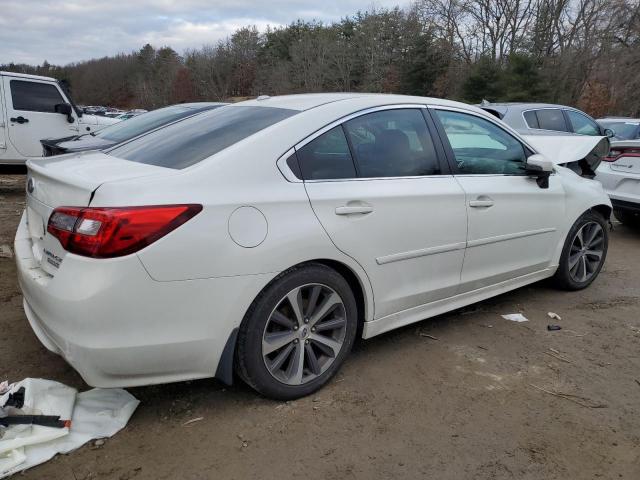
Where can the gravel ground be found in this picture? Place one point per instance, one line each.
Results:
(485, 398)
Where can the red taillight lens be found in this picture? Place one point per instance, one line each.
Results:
(617, 152)
(109, 232)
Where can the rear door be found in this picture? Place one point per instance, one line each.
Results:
(377, 186)
(514, 225)
(31, 114)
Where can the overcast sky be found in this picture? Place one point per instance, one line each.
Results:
(64, 31)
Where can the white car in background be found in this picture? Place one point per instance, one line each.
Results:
(33, 108)
(264, 236)
(620, 172)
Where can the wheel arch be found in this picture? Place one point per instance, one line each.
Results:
(364, 303)
(604, 210)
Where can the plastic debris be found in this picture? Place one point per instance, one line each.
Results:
(553, 315)
(95, 414)
(553, 328)
(515, 317)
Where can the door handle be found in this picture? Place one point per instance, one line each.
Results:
(481, 203)
(20, 120)
(353, 209)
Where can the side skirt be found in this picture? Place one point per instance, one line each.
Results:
(422, 312)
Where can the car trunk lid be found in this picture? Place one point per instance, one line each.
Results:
(69, 180)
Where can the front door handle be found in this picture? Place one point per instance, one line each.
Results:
(481, 203)
(20, 120)
(353, 209)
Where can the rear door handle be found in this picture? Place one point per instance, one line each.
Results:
(20, 119)
(353, 209)
(485, 203)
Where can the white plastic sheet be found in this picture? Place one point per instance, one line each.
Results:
(97, 413)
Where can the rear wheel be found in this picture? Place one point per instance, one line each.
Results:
(297, 333)
(584, 252)
(626, 217)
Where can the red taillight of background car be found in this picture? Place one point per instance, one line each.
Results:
(108, 232)
(617, 152)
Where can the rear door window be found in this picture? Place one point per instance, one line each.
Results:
(190, 141)
(551, 119)
(327, 157)
(34, 96)
(392, 143)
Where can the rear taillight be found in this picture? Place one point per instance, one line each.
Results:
(617, 152)
(108, 232)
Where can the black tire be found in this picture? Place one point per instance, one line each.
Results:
(563, 278)
(250, 364)
(628, 218)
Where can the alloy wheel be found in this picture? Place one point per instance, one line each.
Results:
(304, 334)
(586, 252)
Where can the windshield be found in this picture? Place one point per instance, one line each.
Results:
(623, 130)
(146, 122)
(192, 140)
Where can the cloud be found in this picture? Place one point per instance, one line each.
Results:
(66, 31)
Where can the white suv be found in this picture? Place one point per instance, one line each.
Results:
(33, 108)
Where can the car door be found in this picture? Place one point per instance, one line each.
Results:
(514, 225)
(377, 186)
(31, 114)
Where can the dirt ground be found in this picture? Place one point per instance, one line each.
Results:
(485, 398)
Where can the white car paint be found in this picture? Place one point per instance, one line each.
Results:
(417, 246)
(21, 141)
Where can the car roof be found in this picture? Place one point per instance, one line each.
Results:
(307, 101)
(26, 75)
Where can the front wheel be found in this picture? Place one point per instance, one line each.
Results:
(584, 252)
(297, 332)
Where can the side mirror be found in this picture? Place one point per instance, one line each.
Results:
(609, 133)
(541, 167)
(65, 109)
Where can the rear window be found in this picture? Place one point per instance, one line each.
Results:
(190, 141)
(146, 122)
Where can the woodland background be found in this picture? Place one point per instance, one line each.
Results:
(576, 52)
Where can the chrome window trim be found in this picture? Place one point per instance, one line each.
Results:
(284, 168)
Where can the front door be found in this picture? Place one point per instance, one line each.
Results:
(376, 185)
(31, 114)
(514, 225)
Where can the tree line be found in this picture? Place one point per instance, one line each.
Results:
(575, 52)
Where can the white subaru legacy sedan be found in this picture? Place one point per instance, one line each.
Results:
(263, 237)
